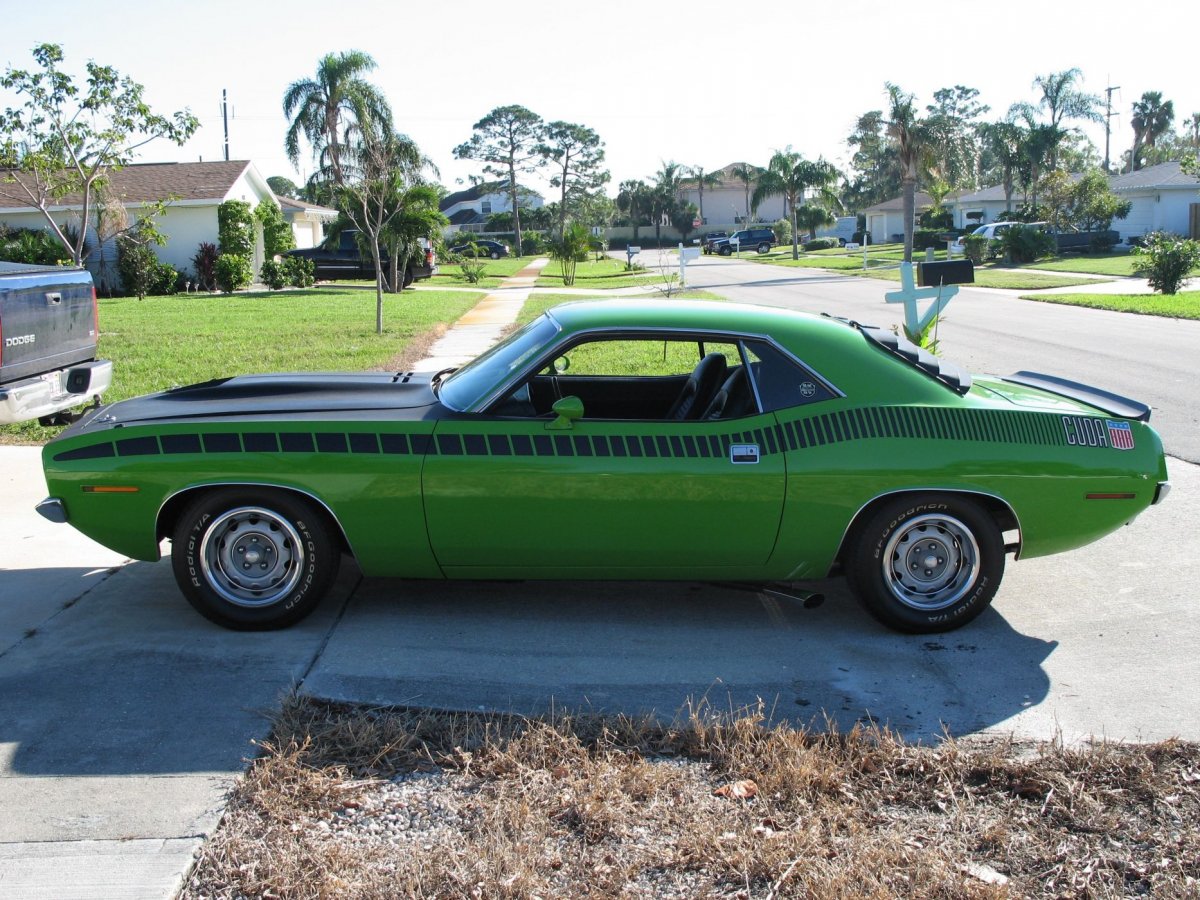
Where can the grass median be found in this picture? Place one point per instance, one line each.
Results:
(1184, 305)
(412, 803)
(608, 273)
(161, 342)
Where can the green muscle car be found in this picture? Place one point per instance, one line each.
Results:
(616, 440)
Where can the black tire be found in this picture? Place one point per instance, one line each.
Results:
(926, 563)
(495, 255)
(764, 248)
(726, 251)
(282, 542)
(408, 278)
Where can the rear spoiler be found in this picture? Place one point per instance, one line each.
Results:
(1113, 404)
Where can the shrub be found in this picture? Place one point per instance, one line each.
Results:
(235, 228)
(923, 238)
(273, 275)
(30, 245)
(975, 246)
(233, 272)
(570, 249)
(1166, 260)
(822, 243)
(533, 243)
(278, 236)
(783, 232)
(167, 280)
(1026, 243)
(205, 264)
(936, 218)
(137, 265)
(1102, 242)
(300, 272)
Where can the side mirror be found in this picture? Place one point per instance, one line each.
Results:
(568, 409)
(561, 365)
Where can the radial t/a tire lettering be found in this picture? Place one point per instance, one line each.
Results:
(253, 559)
(927, 563)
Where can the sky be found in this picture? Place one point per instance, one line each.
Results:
(702, 84)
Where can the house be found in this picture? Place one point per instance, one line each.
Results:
(468, 210)
(193, 191)
(1164, 198)
(307, 220)
(727, 202)
(885, 221)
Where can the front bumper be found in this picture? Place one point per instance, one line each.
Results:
(52, 509)
(45, 395)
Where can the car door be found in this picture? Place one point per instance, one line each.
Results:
(526, 496)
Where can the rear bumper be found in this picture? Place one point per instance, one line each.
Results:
(52, 509)
(1160, 492)
(47, 394)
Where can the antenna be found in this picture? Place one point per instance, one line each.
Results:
(1108, 114)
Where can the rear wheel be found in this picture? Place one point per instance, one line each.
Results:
(251, 560)
(726, 251)
(764, 247)
(927, 563)
(495, 254)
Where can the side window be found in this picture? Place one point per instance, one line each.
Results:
(643, 357)
(780, 380)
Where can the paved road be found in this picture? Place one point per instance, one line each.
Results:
(1151, 359)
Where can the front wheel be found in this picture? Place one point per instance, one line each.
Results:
(927, 563)
(495, 255)
(726, 251)
(253, 560)
(764, 248)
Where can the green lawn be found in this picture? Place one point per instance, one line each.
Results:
(1184, 305)
(606, 274)
(160, 342)
(494, 270)
(1010, 279)
(539, 303)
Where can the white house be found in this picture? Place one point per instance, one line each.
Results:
(1164, 199)
(885, 221)
(727, 203)
(193, 192)
(307, 220)
(468, 210)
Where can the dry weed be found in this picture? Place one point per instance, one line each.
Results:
(402, 803)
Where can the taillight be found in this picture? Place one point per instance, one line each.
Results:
(429, 257)
(95, 315)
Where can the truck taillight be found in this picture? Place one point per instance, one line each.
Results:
(95, 314)
(429, 257)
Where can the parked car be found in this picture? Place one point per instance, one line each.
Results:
(994, 230)
(339, 258)
(493, 249)
(711, 238)
(760, 239)
(616, 440)
(49, 328)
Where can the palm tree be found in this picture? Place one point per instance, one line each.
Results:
(1193, 124)
(812, 217)
(668, 181)
(748, 175)
(915, 141)
(633, 199)
(791, 175)
(1004, 140)
(329, 107)
(703, 180)
(1152, 118)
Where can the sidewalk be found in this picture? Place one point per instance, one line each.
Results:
(484, 323)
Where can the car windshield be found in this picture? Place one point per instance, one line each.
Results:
(475, 381)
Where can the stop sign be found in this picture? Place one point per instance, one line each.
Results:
(696, 223)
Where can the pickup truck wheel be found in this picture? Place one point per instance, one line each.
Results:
(764, 248)
(253, 560)
(407, 279)
(726, 251)
(927, 563)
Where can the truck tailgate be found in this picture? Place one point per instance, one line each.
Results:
(47, 320)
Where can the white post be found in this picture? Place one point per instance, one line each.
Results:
(682, 266)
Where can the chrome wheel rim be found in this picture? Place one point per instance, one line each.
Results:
(931, 562)
(252, 557)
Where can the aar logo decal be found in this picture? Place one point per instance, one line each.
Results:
(1083, 431)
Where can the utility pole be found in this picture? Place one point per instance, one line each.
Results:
(225, 120)
(1108, 114)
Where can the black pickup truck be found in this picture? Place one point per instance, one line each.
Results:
(339, 259)
(48, 333)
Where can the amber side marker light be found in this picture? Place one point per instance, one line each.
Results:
(109, 489)
(1110, 496)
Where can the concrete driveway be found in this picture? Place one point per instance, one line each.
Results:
(125, 717)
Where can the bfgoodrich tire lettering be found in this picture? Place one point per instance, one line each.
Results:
(253, 559)
(927, 563)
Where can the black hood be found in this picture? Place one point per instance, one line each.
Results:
(298, 394)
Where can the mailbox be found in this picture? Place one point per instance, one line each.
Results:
(954, 271)
(690, 253)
